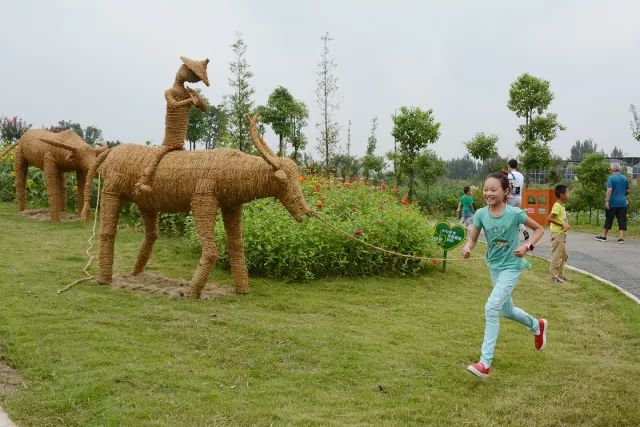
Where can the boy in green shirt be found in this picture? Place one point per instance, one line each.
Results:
(559, 226)
(466, 201)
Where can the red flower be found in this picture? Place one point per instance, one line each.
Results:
(405, 201)
(358, 232)
(434, 261)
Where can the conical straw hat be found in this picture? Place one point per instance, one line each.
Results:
(198, 67)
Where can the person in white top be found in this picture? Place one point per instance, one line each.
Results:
(516, 180)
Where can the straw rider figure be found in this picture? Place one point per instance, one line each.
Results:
(179, 101)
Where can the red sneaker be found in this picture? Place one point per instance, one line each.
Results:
(540, 340)
(479, 370)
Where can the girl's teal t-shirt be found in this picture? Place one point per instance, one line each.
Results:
(503, 236)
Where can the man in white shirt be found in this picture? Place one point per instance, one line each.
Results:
(516, 180)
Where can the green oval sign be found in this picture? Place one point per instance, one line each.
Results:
(449, 237)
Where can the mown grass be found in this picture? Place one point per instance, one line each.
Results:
(371, 351)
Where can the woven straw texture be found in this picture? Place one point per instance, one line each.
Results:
(55, 154)
(179, 99)
(198, 181)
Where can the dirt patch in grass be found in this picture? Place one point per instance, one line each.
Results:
(158, 284)
(43, 215)
(10, 379)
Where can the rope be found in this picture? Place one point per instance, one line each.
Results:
(387, 251)
(88, 251)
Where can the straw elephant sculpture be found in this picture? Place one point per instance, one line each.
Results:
(54, 153)
(198, 181)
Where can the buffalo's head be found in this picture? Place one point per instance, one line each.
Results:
(80, 154)
(285, 171)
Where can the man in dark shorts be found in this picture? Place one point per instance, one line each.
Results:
(615, 203)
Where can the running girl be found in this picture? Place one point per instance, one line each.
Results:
(500, 223)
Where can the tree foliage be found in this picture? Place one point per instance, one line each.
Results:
(326, 96)
(482, 147)
(580, 150)
(371, 162)
(429, 167)
(414, 129)
(240, 103)
(463, 168)
(11, 129)
(286, 115)
(635, 123)
(529, 98)
(592, 175)
(617, 153)
(216, 132)
(90, 134)
(297, 138)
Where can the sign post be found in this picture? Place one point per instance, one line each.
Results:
(449, 237)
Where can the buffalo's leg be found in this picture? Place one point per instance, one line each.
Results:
(151, 232)
(80, 179)
(204, 210)
(109, 213)
(62, 191)
(233, 226)
(20, 166)
(51, 177)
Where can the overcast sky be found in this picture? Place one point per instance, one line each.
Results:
(108, 63)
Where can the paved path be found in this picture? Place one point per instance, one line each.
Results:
(619, 264)
(4, 420)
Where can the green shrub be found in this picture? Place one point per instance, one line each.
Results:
(277, 246)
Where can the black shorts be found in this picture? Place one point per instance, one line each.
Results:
(620, 214)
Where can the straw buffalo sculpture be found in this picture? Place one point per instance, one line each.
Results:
(198, 181)
(55, 154)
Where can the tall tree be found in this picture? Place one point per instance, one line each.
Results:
(297, 138)
(371, 162)
(216, 129)
(414, 129)
(11, 129)
(617, 153)
(579, 150)
(529, 98)
(482, 147)
(240, 102)
(592, 175)
(278, 113)
(429, 167)
(635, 123)
(326, 96)
(92, 135)
(463, 168)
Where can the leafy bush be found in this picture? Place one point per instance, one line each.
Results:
(277, 246)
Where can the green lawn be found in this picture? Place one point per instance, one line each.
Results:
(381, 351)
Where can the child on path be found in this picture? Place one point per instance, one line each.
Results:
(501, 223)
(559, 226)
(466, 202)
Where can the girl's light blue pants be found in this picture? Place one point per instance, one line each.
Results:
(500, 302)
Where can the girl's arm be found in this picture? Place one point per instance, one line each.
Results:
(474, 233)
(538, 232)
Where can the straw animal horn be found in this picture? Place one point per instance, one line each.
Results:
(59, 144)
(262, 146)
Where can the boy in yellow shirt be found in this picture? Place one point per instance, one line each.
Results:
(559, 226)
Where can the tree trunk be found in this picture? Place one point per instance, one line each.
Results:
(589, 216)
(280, 147)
